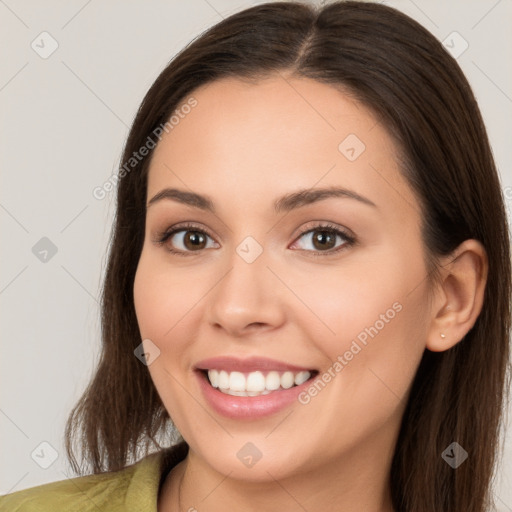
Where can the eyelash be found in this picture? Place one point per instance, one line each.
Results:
(163, 236)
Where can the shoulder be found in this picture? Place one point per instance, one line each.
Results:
(134, 488)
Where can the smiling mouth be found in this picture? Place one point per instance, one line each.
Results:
(256, 383)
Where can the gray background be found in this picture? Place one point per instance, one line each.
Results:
(64, 119)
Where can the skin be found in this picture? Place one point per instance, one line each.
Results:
(244, 146)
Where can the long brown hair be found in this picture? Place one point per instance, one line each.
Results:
(403, 74)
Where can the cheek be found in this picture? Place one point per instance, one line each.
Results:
(369, 323)
(370, 319)
(165, 298)
(361, 299)
(164, 301)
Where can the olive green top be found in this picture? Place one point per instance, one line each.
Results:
(134, 488)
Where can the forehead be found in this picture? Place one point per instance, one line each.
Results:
(249, 142)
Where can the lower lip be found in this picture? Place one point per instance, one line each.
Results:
(249, 407)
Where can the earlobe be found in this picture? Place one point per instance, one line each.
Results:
(459, 297)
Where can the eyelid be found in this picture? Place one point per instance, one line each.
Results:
(161, 238)
(347, 234)
(327, 225)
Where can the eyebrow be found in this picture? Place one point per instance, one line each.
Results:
(286, 203)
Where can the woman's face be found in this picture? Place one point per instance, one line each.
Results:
(263, 273)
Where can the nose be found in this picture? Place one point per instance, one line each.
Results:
(247, 298)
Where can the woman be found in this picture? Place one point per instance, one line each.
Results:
(309, 274)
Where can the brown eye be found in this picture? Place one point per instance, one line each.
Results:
(188, 240)
(194, 240)
(184, 240)
(324, 240)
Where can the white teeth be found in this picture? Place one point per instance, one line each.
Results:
(287, 380)
(237, 381)
(213, 375)
(223, 380)
(234, 393)
(273, 381)
(255, 383)
(301, 377)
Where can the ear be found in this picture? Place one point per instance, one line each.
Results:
(459, 296)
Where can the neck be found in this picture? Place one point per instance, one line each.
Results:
(357, 480)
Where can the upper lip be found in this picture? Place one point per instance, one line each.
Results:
(250, 364)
